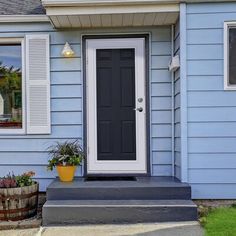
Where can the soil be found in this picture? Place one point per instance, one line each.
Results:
(215, 203)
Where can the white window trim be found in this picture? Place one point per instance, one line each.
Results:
(22, 42)
(227, 25)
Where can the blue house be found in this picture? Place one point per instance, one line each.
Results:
(148, 87)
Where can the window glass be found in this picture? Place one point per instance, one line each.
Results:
(232, 56)
(10, 86)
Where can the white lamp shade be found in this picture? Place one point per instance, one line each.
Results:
(67, 50)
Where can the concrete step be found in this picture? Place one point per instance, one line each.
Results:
(74, 212)
(151, 188)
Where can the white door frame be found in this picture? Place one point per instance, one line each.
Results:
(94, 166)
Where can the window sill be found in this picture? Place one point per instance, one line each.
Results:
(11, 131)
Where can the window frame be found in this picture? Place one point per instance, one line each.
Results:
(227, 26)
(22, 130)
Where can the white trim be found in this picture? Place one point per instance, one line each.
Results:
(183, 94)
(23, 18)
(108, 9)
(52, 3)
(93, 165)
(22, 42)
(227, 25)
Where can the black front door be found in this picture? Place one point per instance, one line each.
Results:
(116, 138)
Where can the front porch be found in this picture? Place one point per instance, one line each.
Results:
(150, 143)
(130, 200)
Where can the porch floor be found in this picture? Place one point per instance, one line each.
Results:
(150, 188)
(140, 181)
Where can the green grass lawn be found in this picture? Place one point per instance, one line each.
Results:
(221, 222)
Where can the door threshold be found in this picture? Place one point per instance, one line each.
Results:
(109, 178)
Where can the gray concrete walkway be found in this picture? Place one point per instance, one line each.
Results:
(158, 229)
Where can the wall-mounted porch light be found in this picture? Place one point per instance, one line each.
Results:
(67, 50)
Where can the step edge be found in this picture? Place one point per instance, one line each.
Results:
(101, 206)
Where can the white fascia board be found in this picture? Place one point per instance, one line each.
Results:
(99, 10)
(104, 2)
(23, 18)
(207, 1)
(48, 3)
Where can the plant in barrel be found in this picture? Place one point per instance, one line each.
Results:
(18, 196)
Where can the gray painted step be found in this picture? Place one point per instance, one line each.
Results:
(117, 211)
(145, 188)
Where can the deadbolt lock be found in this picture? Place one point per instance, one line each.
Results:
(140, 99)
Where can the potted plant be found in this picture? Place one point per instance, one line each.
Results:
(18, 196)
(65, 156)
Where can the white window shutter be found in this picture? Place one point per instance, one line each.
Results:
(38, 84)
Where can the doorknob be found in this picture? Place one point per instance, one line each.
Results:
(140, 109)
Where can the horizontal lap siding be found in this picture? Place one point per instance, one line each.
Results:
(211, 110)
(177, 105)
(160, 87)
(22, 153)
(28, 152)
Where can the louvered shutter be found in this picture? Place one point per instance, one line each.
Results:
(37, 84)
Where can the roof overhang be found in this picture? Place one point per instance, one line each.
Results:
(111, 13)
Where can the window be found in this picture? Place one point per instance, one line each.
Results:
(230, 55)
(11, 86)
(25, 85)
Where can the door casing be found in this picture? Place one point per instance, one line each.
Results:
(141, 166)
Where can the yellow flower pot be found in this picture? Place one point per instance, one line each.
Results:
(66, 173)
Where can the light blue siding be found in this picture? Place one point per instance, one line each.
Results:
(161, 102)
(205, 52)
(74, 77)
(160, 62)
(213, 191)
(211, 110)
(204, 36)
(212, 114)
(212, 160)
(205, 67)
(205, 83)
(66, 104)
(66, 118)
(22, 153)
(206, 21)
(28, 152)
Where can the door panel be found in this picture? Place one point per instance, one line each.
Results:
(115, 104)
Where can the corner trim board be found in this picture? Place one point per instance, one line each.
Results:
(183, 94)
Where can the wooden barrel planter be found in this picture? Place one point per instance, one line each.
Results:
(18, 203)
